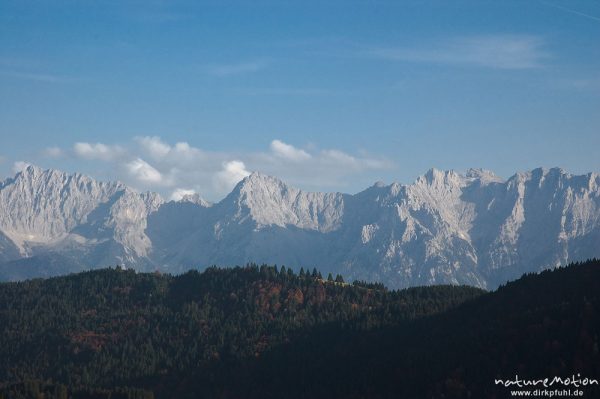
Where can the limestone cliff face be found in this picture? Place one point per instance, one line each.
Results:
(50, 211)
(446, 227)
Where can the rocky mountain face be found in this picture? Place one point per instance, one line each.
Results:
(475, 229)
(94, 223)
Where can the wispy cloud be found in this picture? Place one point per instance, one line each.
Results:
(490, 51)
(570, 10)
(223, 70)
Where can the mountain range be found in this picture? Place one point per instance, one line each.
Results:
(473, 228)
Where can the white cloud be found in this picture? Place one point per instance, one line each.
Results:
(231, 174)
(183, 149)
(143, 172)
(53, 152)
(289, 152)
(492, 51)
(158, 150)
(20, 166)
(177, 169)
(179, 193)
(154, 146)
(97, 151)
(215, 173)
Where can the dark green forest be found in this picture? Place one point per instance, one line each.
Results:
(268, 332)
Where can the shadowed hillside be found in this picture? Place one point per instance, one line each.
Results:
(265, 332)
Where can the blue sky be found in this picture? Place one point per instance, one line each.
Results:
(328, 95)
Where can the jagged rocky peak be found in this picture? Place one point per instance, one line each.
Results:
(48, 179)
(541, 174)
(31, 170)
(484, 176)
(195, 199)
(257, 184)
(384, 191)
(30, 174)
(258, 191)
(40, 205)
(269, 201)
(436, 177)
(451, 177)
(396, 188)
(377, 189)
(540, 177)
(446, 227)
(439, 189)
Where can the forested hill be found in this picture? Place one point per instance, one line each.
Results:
(541, 326)
(262, 332)
(115, 327)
